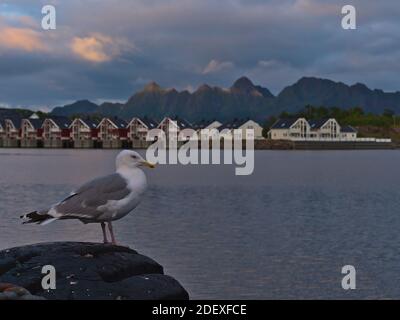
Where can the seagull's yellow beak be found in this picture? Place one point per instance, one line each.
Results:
(148, 164)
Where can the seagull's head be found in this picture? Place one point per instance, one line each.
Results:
(131, 159)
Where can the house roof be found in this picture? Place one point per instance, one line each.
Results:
(234, 124)
(150, 123)
(182, 123)
(284, 123)
(348, 129)
(317, 123)
(203, 124)
(91, 123)
(229, 125)
(34, 116)
(61, 122)
(15, 120)
(120, 123)
(36, 123)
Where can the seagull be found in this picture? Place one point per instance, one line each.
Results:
(102, 200)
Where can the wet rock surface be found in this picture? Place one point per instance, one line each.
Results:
(8, 291)
(88, 271)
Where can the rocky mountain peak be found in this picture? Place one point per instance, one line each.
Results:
(243, 84)
(152, 87)
(204, 87)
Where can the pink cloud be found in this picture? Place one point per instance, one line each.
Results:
(24, 39)
(90, 48)
(217, 66)
(98, 48)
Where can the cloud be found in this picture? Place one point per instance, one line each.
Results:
(24, 39)
(21, 19)
(91, 48)
(217, 66)
(274, 42)
(268, 63)
(315, 7)
(98, 47)
(28, 21)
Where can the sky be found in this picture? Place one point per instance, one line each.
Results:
(105, 50)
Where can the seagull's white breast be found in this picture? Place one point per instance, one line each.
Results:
(137, 184)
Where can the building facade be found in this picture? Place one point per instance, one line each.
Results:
(84, 133)
(173, 126)
(113, 133)
(2, 131)
(138, 128)
(56, 132)
(252, 125)
(207, 129)
(12, 128)
(348, 133)
(318, 130)
(31, 133)
(244, 126)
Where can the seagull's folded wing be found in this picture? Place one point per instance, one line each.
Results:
(84, 203)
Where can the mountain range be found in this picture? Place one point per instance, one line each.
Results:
(242, 100)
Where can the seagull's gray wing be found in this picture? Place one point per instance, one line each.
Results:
(84, 203)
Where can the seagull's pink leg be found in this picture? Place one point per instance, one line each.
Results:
(110, 228)
(103, 227)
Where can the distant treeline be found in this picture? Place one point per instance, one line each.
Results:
(353, 117)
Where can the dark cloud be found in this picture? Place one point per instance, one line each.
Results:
(121, 44)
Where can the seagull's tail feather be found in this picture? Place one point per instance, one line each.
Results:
(38, 218)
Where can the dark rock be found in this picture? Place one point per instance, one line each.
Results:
(9, 291)
(88, 271)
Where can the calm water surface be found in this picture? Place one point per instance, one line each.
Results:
(283, 232)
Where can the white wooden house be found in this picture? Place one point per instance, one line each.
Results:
(139, 127)
(113, 132)
(56, 132)
(173, 126)
(31, 132)
(311, 130)
(2, 132)
(12, 128)
(244, 126)
(84, 132)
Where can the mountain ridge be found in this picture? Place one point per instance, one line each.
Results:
(243, 99)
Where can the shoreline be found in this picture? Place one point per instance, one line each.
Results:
(258, 146)
(323, 145)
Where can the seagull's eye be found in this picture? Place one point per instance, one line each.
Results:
(134, 157)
